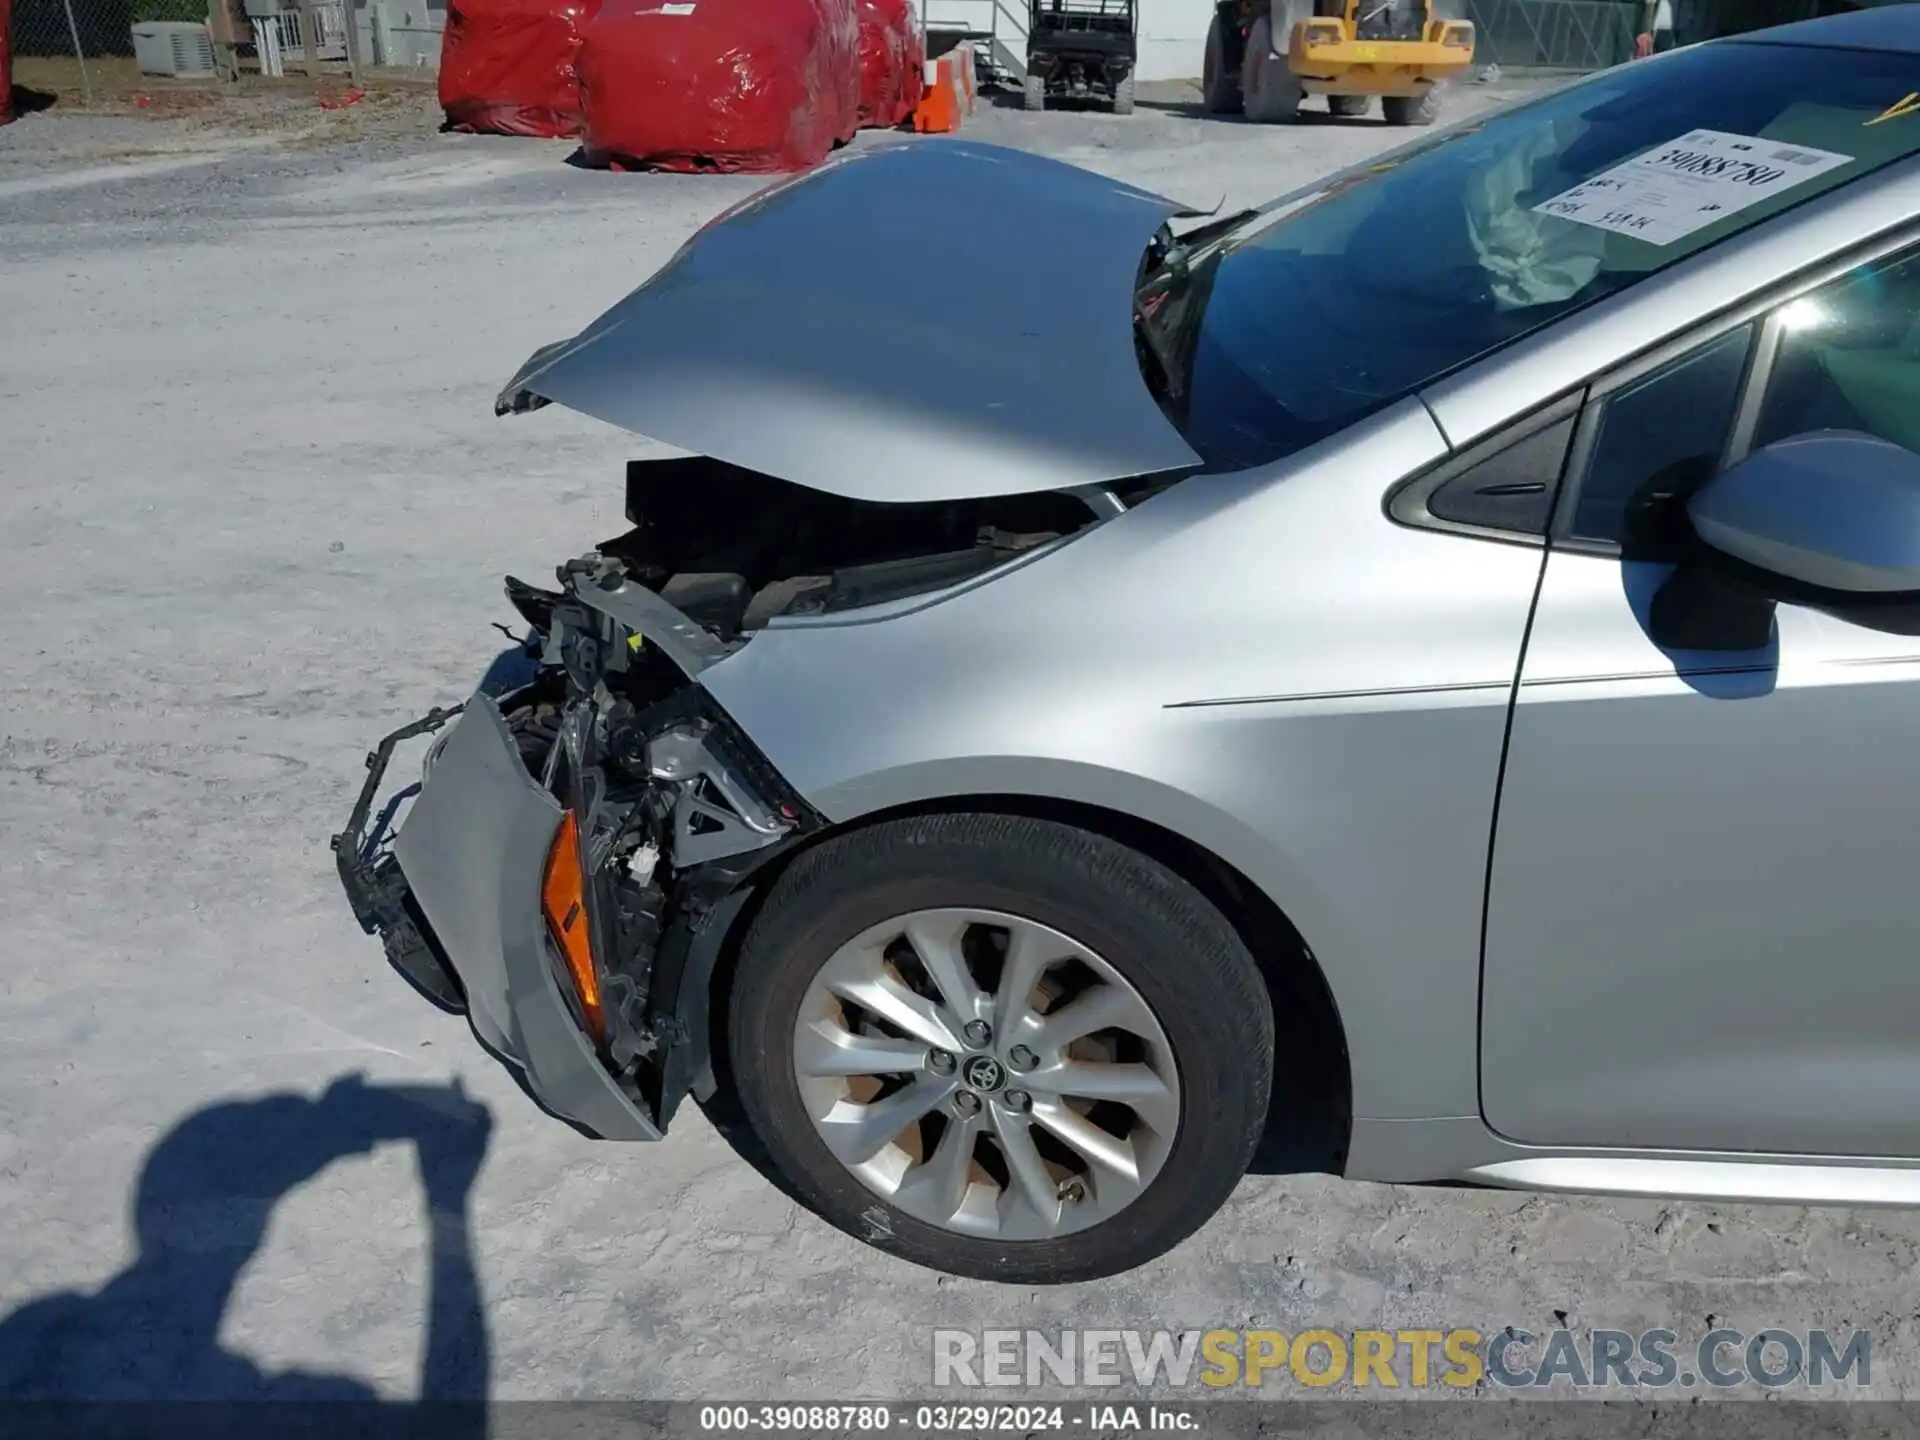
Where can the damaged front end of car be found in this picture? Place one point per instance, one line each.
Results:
(574, 849)
(575, 858)
(580, 844)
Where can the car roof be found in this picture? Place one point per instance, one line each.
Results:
(1887, 27)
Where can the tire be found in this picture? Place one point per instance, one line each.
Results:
(1349, 107)
(1219, 82)
(1123, 97)
(1269, 90)
(1421, 109)
(1033, 92)
(1166, 947)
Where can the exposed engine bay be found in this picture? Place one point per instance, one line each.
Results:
(668, 814)
(734, 549)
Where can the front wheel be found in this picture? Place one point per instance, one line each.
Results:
(1123, 97)
(1001, 1047)
(1219, 81)
(1033, 92)
(1269, 90)
(1421, 109)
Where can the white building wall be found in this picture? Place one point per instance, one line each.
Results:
(1173, 38)
(1173, 33)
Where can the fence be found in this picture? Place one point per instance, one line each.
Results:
(289, 36)
(74, 40)
(1553, 34)
(85, 47)
(1593, 34)
(87, 29)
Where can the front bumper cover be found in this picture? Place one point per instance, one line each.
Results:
(470, 854)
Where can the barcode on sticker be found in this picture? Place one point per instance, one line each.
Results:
(1794, 157)
(676, 9)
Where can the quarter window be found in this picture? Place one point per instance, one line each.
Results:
(1512, 488)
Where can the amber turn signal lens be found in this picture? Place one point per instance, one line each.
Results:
(563, 898)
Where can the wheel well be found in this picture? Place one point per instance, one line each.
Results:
(1311, 1066)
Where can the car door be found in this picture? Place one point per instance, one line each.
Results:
(1703, 915)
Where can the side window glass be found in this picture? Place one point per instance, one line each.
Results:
(1659, 438)
(1512, 489)
(1849, 358)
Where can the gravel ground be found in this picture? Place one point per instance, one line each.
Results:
(255, 514)
(138, 125)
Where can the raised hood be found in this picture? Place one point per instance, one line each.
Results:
(940, 320)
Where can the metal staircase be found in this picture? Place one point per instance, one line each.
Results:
(997, 30)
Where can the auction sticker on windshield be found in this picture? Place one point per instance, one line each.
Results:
(1685, 185)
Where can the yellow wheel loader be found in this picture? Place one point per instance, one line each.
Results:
(1265, 56)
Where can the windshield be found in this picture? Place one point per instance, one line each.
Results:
(1324, 307)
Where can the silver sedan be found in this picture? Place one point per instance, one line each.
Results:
(1432, 662)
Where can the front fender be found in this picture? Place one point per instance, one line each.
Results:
(955, 780)
(1259, 663)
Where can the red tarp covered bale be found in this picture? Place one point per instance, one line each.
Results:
(507, 66)
(752, 85)
(891, 60)
(6, 61)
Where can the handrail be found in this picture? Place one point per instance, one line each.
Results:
(1015, 17)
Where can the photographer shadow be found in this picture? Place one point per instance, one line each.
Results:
(201, 1208)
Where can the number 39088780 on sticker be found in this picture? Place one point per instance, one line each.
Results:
(1669, 192)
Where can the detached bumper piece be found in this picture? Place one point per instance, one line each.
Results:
(566, 878)
(473, 856)
(474, 850)
(376, 890)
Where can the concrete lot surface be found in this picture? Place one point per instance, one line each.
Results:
(255, 511)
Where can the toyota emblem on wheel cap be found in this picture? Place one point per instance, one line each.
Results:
(983, 1073)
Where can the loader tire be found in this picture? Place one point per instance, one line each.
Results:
(1219, 81)
(1033, 93)
(1123, 97)
(1422, 109)
(1269, 89)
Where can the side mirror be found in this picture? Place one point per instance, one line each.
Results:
(1833, 511)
